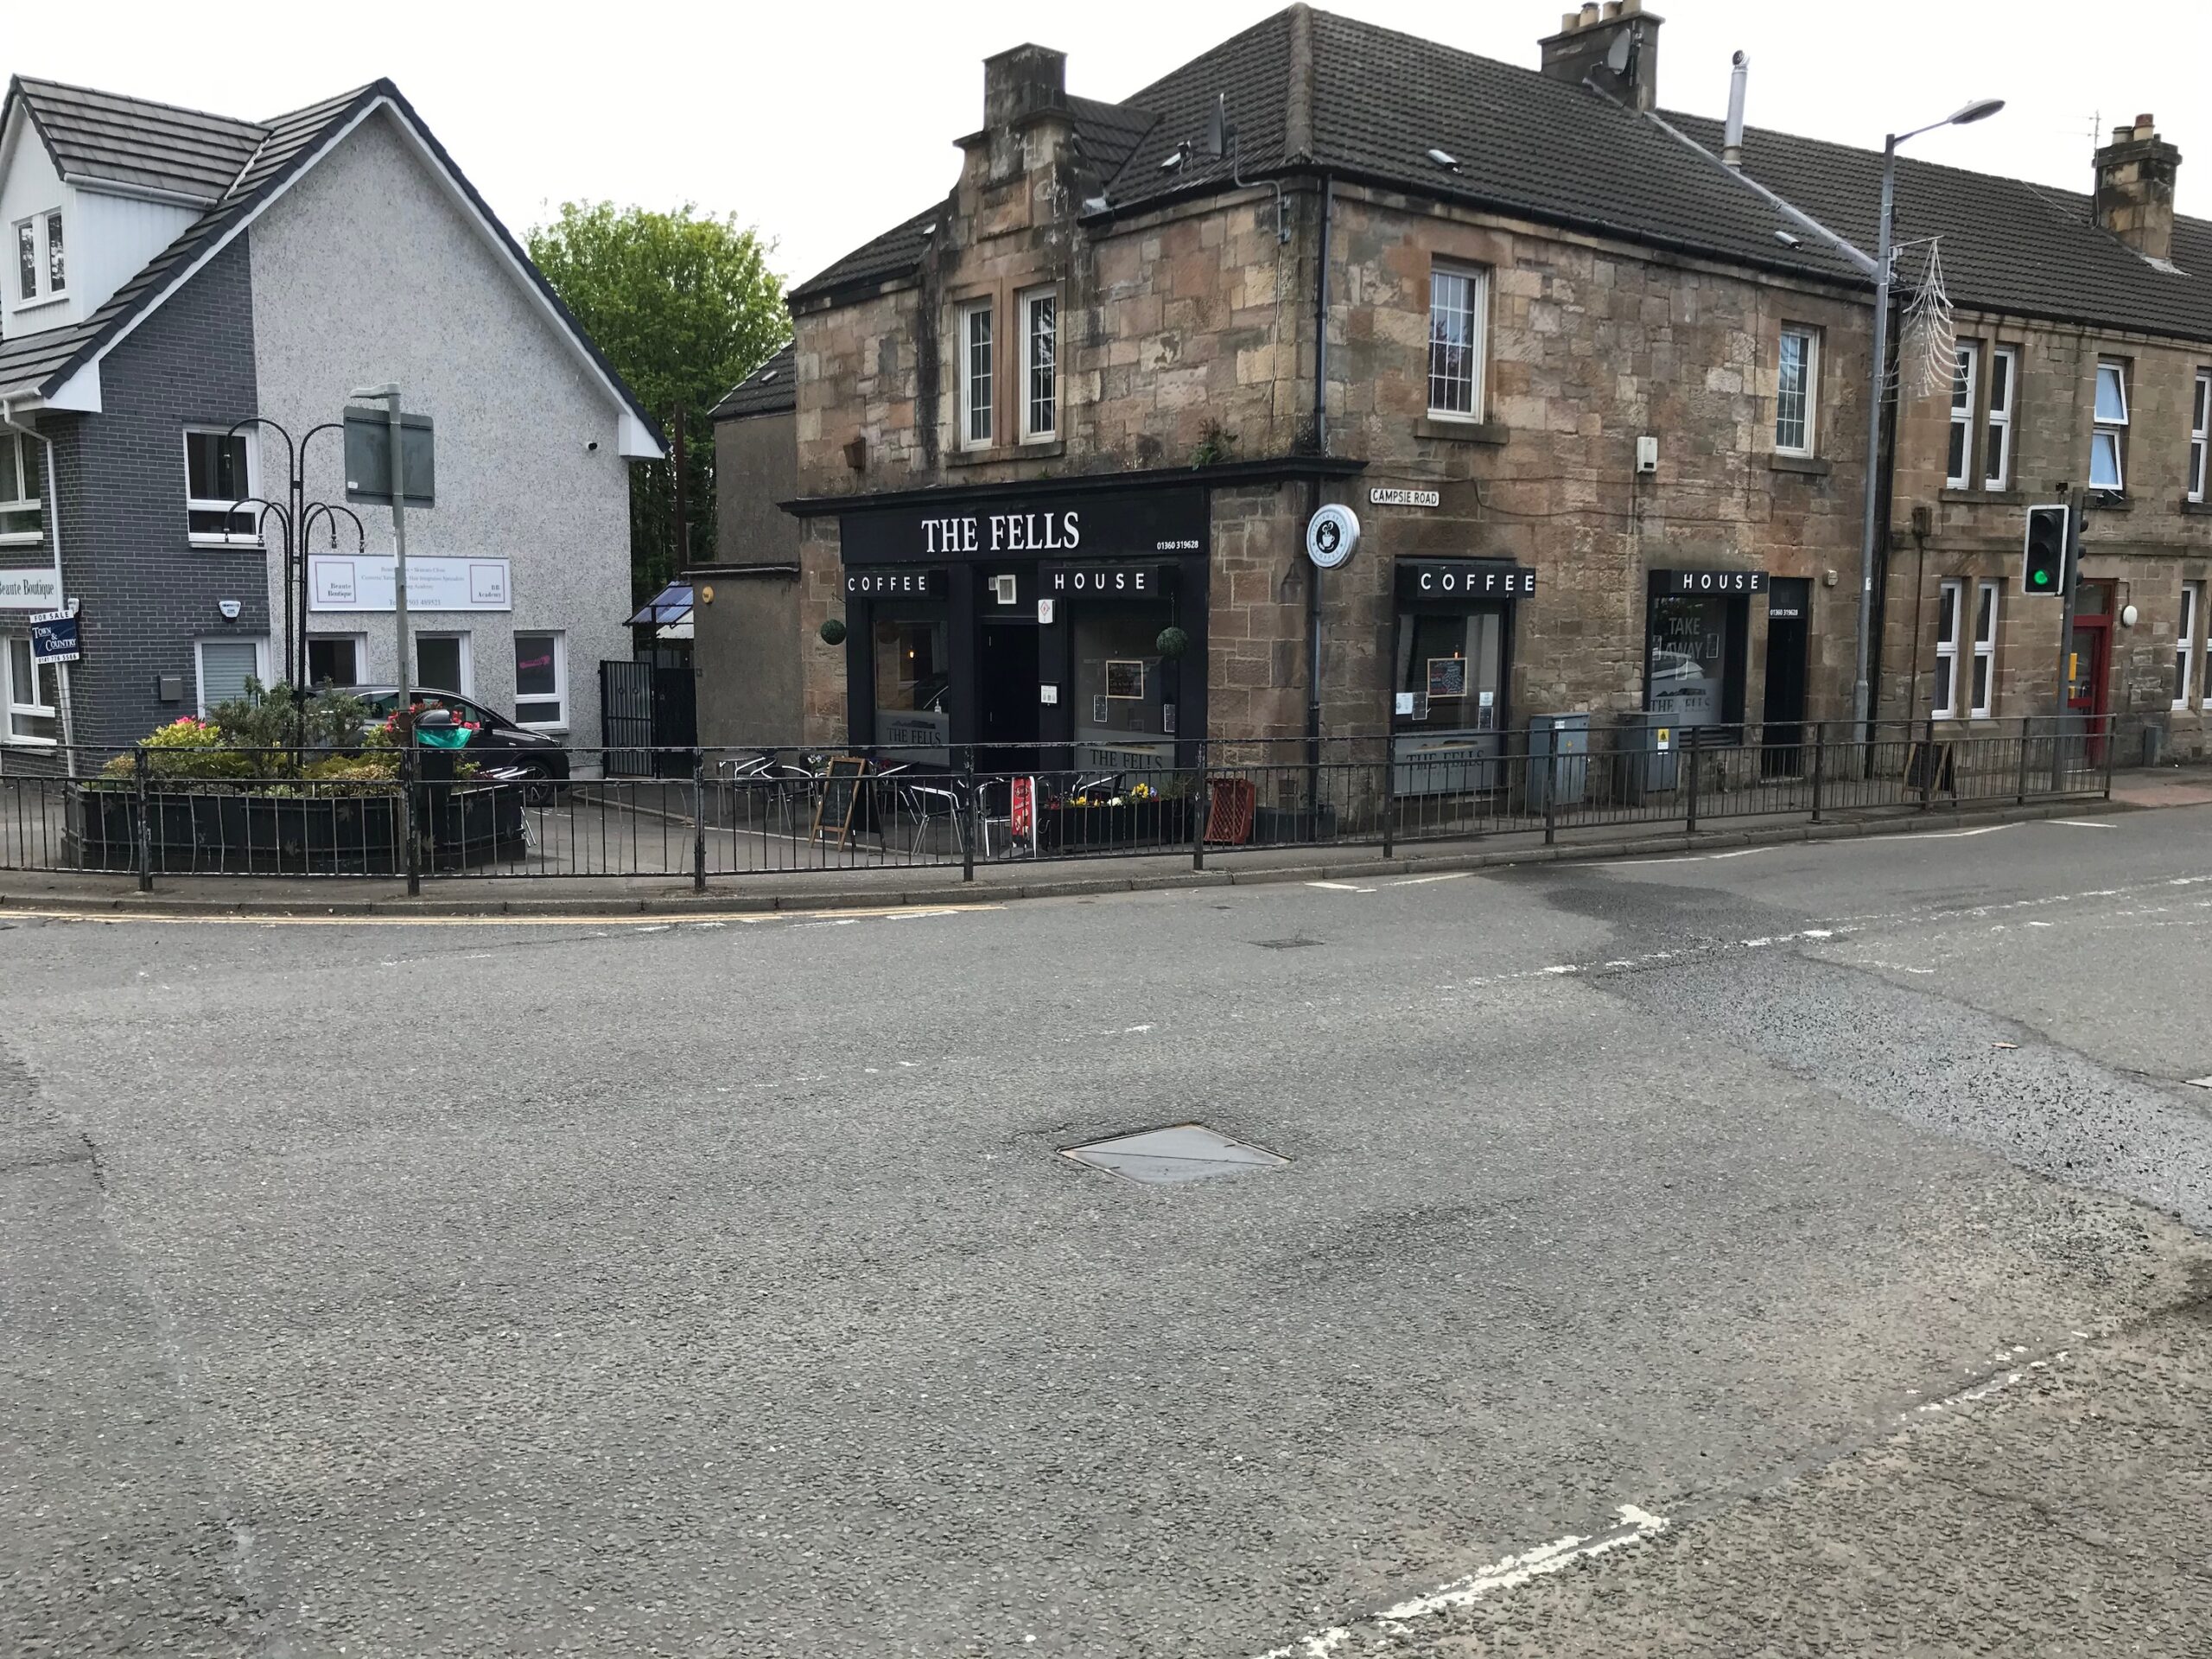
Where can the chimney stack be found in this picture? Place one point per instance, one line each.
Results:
(1615, 47)
(2135, 188)
(1021, 83)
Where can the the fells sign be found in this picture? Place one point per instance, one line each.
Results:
(1104, 525)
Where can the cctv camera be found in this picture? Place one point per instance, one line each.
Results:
(592, 447)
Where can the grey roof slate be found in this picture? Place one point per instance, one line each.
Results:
(135, 143)
(768, 390)
(1309, 89)
(42, 360)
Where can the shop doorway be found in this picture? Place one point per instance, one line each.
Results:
(1783, 714)
(2088, 664)
(1006, 697)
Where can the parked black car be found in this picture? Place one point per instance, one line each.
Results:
(497, 743)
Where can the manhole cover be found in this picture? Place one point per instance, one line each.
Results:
(1298, 943)
(1188, 1152)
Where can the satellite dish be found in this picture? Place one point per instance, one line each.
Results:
(1618, 54)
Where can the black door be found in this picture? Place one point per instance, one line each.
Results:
(1006, 698)
(1787, 636)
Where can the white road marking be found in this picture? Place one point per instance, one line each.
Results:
(1339, 887)
(1741, 852)
(635, 922)
(1508, 1574)
(2200, 1083)
(1423, 881)
(2080, 823)
(1960, 835)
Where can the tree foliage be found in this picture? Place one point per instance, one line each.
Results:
(685, 306)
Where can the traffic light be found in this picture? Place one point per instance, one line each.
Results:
(2043, 569)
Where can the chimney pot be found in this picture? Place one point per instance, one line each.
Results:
(1612, 9)
(1566, 22)
(1578, 53)
(1589, 15)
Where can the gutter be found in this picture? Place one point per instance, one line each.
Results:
(53, 505)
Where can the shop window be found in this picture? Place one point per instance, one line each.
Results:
(975, 376)
(1984, 699)
(218, 473)
(2108, 442)
(1957, 471)
(1041, 407)
(334, 659)
(1796, 389)
(1449, 669)
(443, 662)
(913, 657)
(1459, 311)
(1997, 440)
(1695, 675)
(229, 669)
(1943, 701)
(2192, 608)
(541, 681)
(34, 696)
(1122, 700)
(21, 518)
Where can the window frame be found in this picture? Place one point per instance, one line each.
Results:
(260, 643)
(1477, 310)
(2114, 428)
(1809, 417)
(11, 707)
(1965, 416)
(360, 643)
(2192, 614)
(201, 504)
(969, 409)
(559, 638)
(1981, 684)
(1025, 304)
(41, 234)
(1997, 420)
(2200, 436)
(28, 477)
(417, 685)
(1952, 589)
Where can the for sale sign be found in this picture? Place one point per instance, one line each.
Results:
(54, 638)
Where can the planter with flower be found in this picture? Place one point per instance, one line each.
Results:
(1116, 814)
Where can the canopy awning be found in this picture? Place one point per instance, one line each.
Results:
(666, 608)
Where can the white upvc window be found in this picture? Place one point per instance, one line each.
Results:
(2108, 442)
(1459, 341)
(33, 694)
(1997, 441)
(336, 660)
(2200, 436)
(1944, 701)
(218, 473)
(225, 665)
(445, 662)
(1983, 698)
(2192, 610)
(977, 381)
(1040, 310)
(41, 269)
(1965, 375)
(1796, 390)
(22, 520)
(541, 681)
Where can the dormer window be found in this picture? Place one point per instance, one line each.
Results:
(42, 265)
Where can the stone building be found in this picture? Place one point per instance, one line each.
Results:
(1595, 398)
(2084, 359)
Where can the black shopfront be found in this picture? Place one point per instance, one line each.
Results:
(1452, 670)
(1044, 627)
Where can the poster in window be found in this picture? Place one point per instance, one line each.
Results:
(1125, 680)
(1690, 658)
(1447, 676)
(1100, 710)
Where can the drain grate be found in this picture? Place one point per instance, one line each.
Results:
(1187, 1151)
(1297, 944)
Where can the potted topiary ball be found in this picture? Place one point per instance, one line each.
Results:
(833, 632)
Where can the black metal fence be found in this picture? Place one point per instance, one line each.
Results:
(151, 813)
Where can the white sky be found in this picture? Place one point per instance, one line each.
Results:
(824, 123)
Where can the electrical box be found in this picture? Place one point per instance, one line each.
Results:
(168, 688)
(1647, 455)
(1559, 759)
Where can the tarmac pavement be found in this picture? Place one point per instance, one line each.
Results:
(1790, 1249)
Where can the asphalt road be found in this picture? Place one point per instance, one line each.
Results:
(1798, 1250)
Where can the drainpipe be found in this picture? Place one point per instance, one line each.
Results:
(53, 505)
(1313, 500)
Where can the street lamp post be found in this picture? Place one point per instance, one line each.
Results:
(1980, 110)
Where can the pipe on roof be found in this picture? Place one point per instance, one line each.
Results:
(1732, 145)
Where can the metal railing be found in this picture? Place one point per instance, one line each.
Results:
(152, 813)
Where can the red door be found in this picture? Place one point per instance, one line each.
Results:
(2089, 666)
